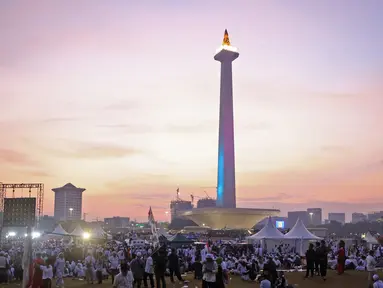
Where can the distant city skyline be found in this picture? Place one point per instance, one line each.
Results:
(119, 100)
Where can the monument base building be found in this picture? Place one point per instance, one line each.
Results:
(228, 218)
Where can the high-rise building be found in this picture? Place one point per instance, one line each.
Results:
(358, 217)
(315, 216)
(375, 216)
(226, 159)
(179, 206)
(293, 216)
(68, 202)
(337, 217)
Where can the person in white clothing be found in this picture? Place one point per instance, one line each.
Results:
(149, 270)
(47, 274)
(89, 266)
(114, 263)
(209, 269)
(377, 283)
(125, 278)
(370, 266)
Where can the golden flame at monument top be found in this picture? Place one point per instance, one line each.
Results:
(226, 40)
(226, 43)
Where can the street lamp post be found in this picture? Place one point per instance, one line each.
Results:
(70, 213)
(167, 216)
(311, 218)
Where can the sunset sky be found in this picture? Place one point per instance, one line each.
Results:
(122, 97)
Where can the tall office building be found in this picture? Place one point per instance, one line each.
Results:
(226, 159)
(68, 202)
(315, 216)
(337, 217)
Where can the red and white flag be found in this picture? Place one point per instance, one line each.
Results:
(150, 216)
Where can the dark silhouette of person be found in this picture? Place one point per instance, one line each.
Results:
(310, 260)
(323, 259)
(270, 270)
(317, 246)
(174, 266)
(160, 261)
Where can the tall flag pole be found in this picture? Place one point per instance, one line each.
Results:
(153, 227)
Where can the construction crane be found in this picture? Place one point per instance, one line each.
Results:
(207, 195)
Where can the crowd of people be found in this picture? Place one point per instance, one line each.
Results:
(55, 262)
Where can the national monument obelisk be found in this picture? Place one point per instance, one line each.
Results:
(226, 214)
(226, 156)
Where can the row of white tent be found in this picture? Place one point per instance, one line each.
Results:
(298, 237)
(299, 231)
(96, 233)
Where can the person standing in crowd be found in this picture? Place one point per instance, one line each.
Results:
(370, 266)
(125, 278)
(114, 261)
(323, 259)
(37, 278)
(4, 266)
(47, 274)
(60, 269)
(310, 260)
(317, 248)
(341, 257)
(149, 270)
(159, 261)
(197, 267)
(270, 269)
(209, 270)
(89, 266)
(221, 277)
(99, 267)
(138, 269)
(174, 266)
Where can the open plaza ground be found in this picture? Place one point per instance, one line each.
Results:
(351, 279)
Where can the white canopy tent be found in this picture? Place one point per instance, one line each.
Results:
(299, 231)
(99, 233)
(267, 232)
(59, 230)
(371, 240)
(161, 231)
(301, 235)
(267, 236)
(77, 232)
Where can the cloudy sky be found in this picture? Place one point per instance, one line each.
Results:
(121, 98)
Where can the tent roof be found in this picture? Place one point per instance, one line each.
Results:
(371, 239)
(162, 231)
(178, 238)
(299, 231)
(59, 230)
(98, 232)
(268, 232)
(77, 231)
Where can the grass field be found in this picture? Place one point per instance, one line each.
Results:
(351, 279)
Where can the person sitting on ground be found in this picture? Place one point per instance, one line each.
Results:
(377, 283)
